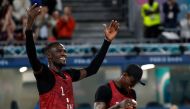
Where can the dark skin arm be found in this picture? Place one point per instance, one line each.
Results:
(32, 13)
(110, 34)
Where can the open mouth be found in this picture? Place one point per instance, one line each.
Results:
(63, 58)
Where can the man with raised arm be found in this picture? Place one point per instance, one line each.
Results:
(54, 83)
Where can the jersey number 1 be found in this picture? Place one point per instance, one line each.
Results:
(62, 91)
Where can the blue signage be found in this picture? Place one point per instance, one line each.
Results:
(108, 61)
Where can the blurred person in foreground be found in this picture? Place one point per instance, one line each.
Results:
(119, 93)
(14, 104)
(54, 81)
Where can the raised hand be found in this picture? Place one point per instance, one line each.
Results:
(32, 13)
(111, 30)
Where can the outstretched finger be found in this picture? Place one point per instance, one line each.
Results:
(36, 10)
(39, 9)
(33, 6)
(105, 26)
(114, 22)
(111, 24)
(117, 26)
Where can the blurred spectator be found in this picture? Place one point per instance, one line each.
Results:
(54, 18)
(19, 8)
(14, 105)
(20, 28)
(65, 25)
(43, 32)
(19, 34)
(151, 19)
(59, 5)
(171, 10)
(185, 27)
(42, 24)
(52, 25)
(4, 2)
(10, 1)
(7, 24)
(51, 4)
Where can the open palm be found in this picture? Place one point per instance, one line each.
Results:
(32, 13)
(111, 30)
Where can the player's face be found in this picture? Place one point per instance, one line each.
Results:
(59, 55)
(127, 81)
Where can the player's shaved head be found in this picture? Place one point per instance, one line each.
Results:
(50, 46)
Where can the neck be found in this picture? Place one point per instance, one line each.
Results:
(119, 86)
(118, 83)
(55, 68)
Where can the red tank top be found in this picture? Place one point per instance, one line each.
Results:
(117, 97)
(60, 96)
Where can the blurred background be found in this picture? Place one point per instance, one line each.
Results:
(164, 55)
